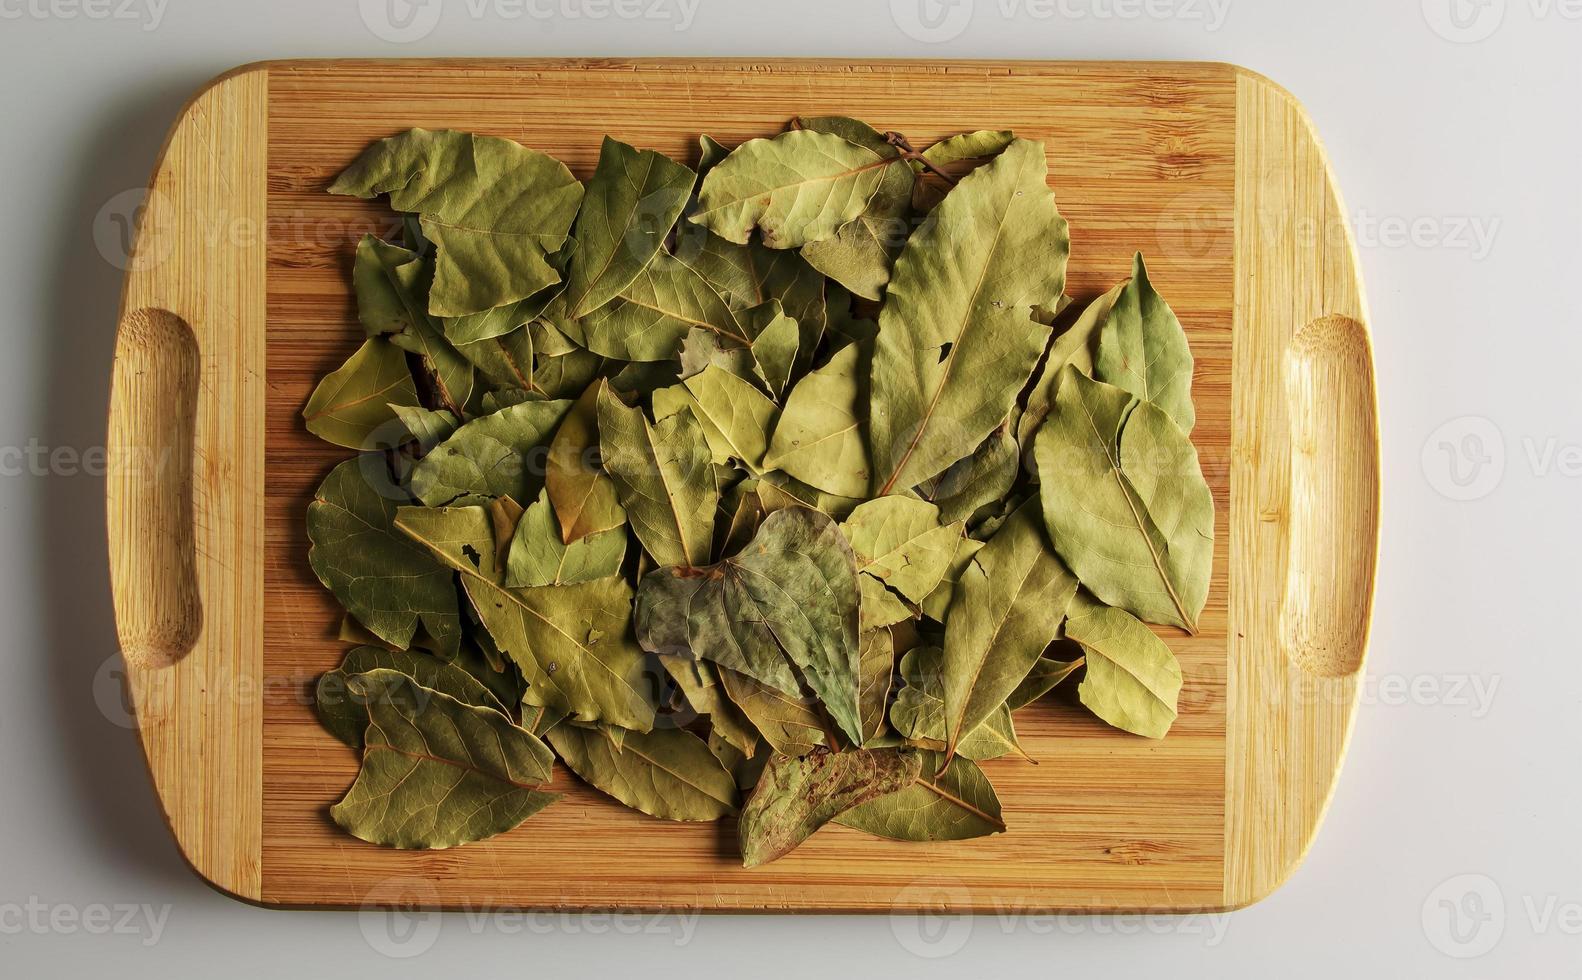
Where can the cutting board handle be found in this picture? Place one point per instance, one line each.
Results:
(153, 412)
(184, 500)
(1334, 489)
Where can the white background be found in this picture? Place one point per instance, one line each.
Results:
(1457, 142)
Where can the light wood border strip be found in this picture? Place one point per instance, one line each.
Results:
(1305, 492)
(185, 499)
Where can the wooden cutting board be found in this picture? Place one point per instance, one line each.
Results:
(239, 298)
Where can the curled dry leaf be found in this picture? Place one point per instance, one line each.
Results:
(947, 801)
(796, 796)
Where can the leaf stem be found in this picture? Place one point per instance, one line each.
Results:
(910, 153)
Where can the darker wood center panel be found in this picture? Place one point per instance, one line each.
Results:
(1141, 156)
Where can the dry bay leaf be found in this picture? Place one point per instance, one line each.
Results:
(957, 340)
(797, 796)
(436, 772)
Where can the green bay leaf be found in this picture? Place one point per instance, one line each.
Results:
(651, 317)
(736, 416)
(790, 723)
(583, 495)
(392, 284)
(971, 485)
(918, 713)
(428, 429)
(1142, 348)
(820, 438)
(437, 772)
(861, 252)
(900, 541)
(968, 146)
(1007, 608)
(572, 643)
(957, 340)
(359, 398)
(537, 557)
(1074, 346)
(876, 670)
(665, 773)
(346, 716)
(497, 455)
(798, 187)
(390, 585)
(495, 210)
(662, 477)
(1127, 509)
(1133, 681)
(699, 683)
(1045, 676)
(632, 201)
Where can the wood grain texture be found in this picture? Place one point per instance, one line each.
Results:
(1305, 486)
(1147, 156)
(184, 503)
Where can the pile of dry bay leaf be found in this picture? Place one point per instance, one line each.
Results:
(766, 490)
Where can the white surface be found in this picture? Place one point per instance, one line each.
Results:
(1465, 756)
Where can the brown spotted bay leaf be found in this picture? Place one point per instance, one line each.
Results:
(783, 610)
(947, 801)
(796, 796)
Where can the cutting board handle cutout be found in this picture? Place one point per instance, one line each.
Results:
(1334, 496)
(153, 414)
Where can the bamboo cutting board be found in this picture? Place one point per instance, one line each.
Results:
(239, 298)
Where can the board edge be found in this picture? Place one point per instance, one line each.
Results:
(1305, 432)
(197, 694)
